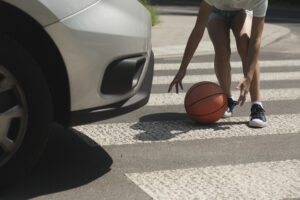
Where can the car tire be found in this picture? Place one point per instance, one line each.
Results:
(27, 101)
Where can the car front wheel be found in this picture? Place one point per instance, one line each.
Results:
(25, 110)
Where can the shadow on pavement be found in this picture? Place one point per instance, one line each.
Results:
(164, 117)
(176, 124)
(283, 15)
(68, 162)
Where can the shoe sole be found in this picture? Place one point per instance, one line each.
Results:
(227, 115)
(257, 124)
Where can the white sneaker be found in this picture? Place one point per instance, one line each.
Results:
(230, 108)
(258, 118)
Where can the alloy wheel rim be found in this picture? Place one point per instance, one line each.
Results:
(13, 115)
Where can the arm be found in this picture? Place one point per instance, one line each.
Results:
(192, 44)
(196, 34)
(252, 57)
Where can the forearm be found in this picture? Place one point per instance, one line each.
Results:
(196, 34)
(191, 47)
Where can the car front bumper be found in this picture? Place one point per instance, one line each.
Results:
(140, 99)
(91, 40)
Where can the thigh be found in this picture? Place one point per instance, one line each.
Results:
(219, 33)
(241, 28)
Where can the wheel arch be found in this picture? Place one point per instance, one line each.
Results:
(32, 36)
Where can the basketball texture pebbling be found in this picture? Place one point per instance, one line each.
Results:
(205, 102)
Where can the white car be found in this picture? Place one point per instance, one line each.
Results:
(71, 62)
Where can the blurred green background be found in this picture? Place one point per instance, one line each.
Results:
(152, 10)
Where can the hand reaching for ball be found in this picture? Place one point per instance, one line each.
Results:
(178, 80)
(244, 85)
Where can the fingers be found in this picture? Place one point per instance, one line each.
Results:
(176, 83)
(242, 100)
(171, 86)
(239, 85)
(242, 97)
(180, 83)
(243, 92)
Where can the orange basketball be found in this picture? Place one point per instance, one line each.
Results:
(205, 102)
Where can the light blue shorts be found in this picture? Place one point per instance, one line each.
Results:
(226, 15)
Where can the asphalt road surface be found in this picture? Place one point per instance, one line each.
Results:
(158, 153)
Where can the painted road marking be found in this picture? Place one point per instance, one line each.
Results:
(210, 65)
(235, 77)
(263, 180)
(171, 131)
(266, 94)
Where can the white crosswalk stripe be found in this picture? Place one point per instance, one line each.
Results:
(264, 180)
(235, 77)
(171, 131)
(235, 64)
(261, 180)
(267, 95)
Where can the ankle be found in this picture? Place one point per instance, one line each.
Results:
(257, 102)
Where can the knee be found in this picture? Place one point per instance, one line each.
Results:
(223, 52)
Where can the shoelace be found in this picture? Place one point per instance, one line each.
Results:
(257, 112)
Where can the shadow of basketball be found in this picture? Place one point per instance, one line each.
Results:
(159, 127)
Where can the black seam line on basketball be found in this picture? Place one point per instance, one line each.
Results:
(200, 85)
(205, 83)
(209, 113)
(203, 99)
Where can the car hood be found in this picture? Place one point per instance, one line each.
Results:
(50, 11)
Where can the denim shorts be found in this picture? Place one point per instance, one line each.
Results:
(226, 15)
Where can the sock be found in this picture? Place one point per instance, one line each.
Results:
(257, 102)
